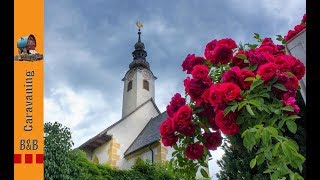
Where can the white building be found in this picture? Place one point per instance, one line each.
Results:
(136, 134)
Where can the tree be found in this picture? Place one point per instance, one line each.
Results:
(235, 162)
(57, 146)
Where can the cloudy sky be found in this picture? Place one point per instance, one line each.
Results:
(88, 46)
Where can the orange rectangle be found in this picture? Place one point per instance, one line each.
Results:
(28, 89)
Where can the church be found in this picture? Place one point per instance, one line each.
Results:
(136, 134)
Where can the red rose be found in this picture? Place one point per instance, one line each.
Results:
(222, 54)
(266, 40)
(182, 117)
(244, 73)
(299, 28)
(196, 87)
(176, 102)
(291, 102)
(227, 124)
(169, 140)
(200, 72)
(166, 127)
(283, 63)
(268, 49)
(298, 69)
(292, 64)
(191, 61)
(304, 19)
(291, 34)
(267, 71)
(213, 140)
(238, 61)
(233, 75)
(228, 42)
(208, 113)
(256, 57)
(194, 151)
(187, 130)
(280, 47)
(209, 50)
(290, 83)
(216, 95)
(230, 91)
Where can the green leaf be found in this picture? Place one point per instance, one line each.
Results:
(292, 126)
(273, 80)
(255, 103)
(204, 173)
(268, 155)
(241, 105)
(288, 108)
(275, 149)
(293, 117)
(260, 158)
(204, 164)
(265, 136)
(255, 84)
(258, 76)
(197, 109)
(242, 56)
(253, 163)
(248, 107)
(267, 171)
(249, 79)
(272, 130)
(234, 107)
(275, 176)
(280, 86)
(284, 41)
(290, 74)
(227, 110)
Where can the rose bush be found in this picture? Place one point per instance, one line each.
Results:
(248, 89)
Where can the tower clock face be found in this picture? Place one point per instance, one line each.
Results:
(146, 74)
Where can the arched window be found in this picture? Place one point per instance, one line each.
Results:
(129, 86)
(146, 85)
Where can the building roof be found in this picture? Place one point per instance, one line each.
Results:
(148, 135)
(103, 136)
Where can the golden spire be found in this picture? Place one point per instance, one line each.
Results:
(139, 24)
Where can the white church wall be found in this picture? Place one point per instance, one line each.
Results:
(128, 129)
(129, 97)
(102, 153)
(143, 94)
(144, 156)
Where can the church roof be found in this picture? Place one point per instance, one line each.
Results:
(148, 135)
(103, 136)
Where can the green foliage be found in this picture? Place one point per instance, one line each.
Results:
(57, 145)
(262, 126)
(239, 163)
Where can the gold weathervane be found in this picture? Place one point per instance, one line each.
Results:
(139, 24)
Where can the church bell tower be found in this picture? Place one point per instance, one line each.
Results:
(139, 79)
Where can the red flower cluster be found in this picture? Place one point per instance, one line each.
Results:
(297, 29)
(209, 96)
(220, 51)
(194, 151)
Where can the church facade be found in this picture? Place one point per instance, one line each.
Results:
(136, 134)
